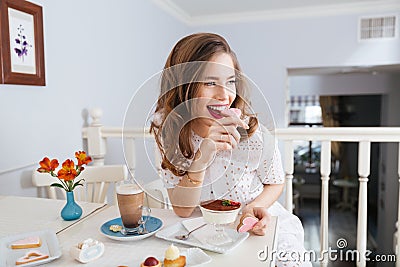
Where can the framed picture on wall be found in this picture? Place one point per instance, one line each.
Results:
(22, 51)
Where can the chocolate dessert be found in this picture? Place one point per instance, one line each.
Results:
(220, 205)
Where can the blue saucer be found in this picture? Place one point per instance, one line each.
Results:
(153, 224)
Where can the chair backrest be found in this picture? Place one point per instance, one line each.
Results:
(44, 180)
(98, 179)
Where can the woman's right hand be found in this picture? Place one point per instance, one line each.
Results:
(224, 133)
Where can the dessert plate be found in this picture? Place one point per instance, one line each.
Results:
(170, 232)
(153, 224)
(49, 246)
(195, 256)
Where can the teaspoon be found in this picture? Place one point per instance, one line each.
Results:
(186, 236)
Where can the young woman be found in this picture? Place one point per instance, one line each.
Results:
(212, 145)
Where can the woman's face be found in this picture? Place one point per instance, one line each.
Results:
(217, 90)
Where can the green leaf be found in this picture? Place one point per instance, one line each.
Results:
(226, 202)
(79, 181)
(76, 184)
(57, 185)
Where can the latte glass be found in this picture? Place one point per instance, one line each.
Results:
(134, 215)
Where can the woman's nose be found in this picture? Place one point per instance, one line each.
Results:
(222, 92)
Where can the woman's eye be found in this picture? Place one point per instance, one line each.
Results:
(232, 82)
(210, 83)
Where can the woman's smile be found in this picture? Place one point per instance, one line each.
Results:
(215, 110)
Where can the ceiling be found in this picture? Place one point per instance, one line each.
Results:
(200, 12)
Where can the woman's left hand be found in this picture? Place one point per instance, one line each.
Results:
(260, 228)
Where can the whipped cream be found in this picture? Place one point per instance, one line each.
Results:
(172, 253)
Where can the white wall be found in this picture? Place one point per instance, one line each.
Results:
(97, 54)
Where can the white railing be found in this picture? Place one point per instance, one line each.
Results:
(96, 136)
(364, 137)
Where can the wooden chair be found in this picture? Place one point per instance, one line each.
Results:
(44, 180)
(98, 180)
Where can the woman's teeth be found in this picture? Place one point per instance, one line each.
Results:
(217, 108)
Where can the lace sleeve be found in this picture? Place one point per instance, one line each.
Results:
(272, 172)
(270, 169)
(169, 179)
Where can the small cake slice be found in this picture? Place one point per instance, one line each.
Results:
(173, 258)
(28, 242)
(31, 256)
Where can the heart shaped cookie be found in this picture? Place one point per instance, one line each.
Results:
(247, 223)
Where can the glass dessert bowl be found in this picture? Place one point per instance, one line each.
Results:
(219, 213)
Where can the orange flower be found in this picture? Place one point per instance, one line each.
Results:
(68, 172)
(82, 158)
(48, 166)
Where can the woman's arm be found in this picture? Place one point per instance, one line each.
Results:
(258, 207)
(185, 196)
(268, 196)
(221, 135)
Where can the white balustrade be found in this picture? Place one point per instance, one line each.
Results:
(364, 158)
(288, 168)
(362, 135)
(96, 135)
(325, 172)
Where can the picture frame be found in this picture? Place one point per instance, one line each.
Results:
(22, 43)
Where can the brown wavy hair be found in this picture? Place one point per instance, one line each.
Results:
(174, 135)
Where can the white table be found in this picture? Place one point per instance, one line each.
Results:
(25, 214)
(34, 214)
(346, 185)
(127, 253)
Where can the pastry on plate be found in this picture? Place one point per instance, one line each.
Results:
(31, 256)
(173, 258)
(27, 242)
(151, 262)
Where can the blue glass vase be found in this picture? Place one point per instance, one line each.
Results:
(71, 210)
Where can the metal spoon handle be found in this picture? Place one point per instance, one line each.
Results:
(186, 236)
(197, 228)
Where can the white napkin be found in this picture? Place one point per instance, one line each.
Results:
(201, 234)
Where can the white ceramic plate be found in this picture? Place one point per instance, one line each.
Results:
(194, 257)
(153, 224)
(49, 246)
(170, 232)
